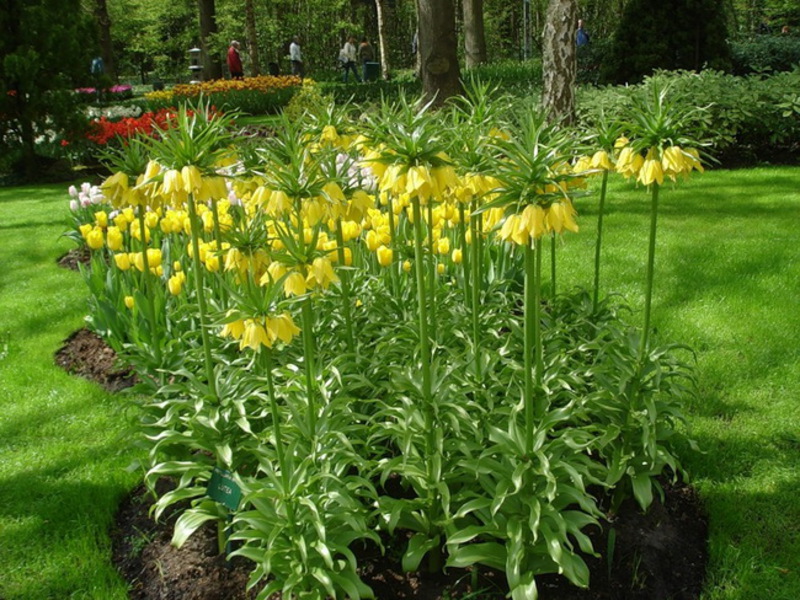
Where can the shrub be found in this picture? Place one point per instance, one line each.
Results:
(765, 53)
(754, 114)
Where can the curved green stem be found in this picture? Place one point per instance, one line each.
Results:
(651, 256)
(201, 297)
(599, 243)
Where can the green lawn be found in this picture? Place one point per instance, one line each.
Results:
(728, 283)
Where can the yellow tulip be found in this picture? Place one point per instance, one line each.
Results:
(385, 256)
(129, 302)
(457, 256)
(175, 284)
(101, 219)
(407, 266)
(114, 239)
(94, 239)
(123, 261)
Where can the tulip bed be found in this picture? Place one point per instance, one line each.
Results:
(356, 330)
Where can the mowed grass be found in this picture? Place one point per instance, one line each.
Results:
(727, 283)
(62, 457)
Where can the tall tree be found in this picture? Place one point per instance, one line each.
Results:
(383, 9)
(441, 76)
(559, 63)
(45, 50)
(100, 10)
(252, 37)
(212, 64)
(474, 33)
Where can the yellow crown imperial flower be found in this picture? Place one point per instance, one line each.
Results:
(629, 162)
(294, 284)
(254, 336)
(234, 329)
(651, 171)
(281, 327)
(115, 188)
(192, 179)
(321, 273)
(601, 160)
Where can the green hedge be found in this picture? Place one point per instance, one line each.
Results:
(745, 118)
(766, 53)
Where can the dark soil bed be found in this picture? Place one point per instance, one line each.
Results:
(660, 555)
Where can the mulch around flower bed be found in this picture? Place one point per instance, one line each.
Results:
(659, 555)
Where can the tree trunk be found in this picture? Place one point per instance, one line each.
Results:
(212, 65)
(474, 35)
(441, 76)
(252, 37)
(104, 29)
(383, 9)
(559, 61)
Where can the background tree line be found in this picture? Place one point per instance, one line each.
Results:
(150, 38)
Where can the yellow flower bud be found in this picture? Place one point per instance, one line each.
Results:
(440, 268)
(129, 302)
(407, 266)
(457, 256)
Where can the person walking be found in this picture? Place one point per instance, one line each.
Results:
(581, 37)
(366, 54)
(296, 57)
(235, 61)
(349, 58)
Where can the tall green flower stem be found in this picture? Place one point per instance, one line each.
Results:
(553, 265)
(465, 261)
(599, 242)
(393, 274)
(147, 289)
(307, 329)
(431, 269)
(651, 256)
(435, 555)
(218, 238)
(475, 264)
(199, 288)
(277, 432)
(534, 360)
(345, 279)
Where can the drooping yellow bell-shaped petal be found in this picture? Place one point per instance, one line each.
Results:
(282, 327)
(192, 179)
(294, 284)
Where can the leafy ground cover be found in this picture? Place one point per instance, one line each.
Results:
(728, 279)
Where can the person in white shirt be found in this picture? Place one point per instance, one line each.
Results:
(349, 58)
(296, 57)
